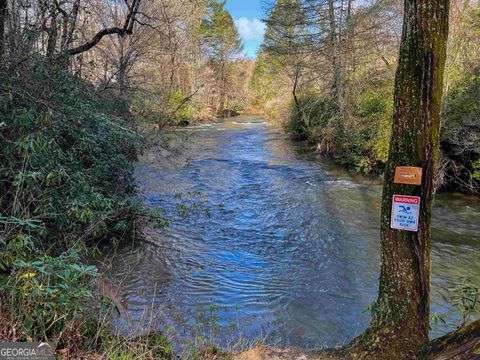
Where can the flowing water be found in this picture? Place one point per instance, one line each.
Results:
(288, 251)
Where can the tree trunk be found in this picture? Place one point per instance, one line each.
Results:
(3, 17)
(123, 80)
(13, 29)
(400, 325)
(52, 35)
(223, 81)
(336, 67)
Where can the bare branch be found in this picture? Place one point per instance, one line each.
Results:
(127, 29)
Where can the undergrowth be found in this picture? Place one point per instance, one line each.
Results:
(66, 185)
(67, 189)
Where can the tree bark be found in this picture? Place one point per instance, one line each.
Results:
(123, 79)
(334, 44)
(401, 322)
(52, 32)
(463, 343)
(223, 81)
(3, 17)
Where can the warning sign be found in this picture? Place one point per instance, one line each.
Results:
(405, 211)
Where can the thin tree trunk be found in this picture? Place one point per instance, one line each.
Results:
(72, 24)
(3, 17)
(294, 92)
(123, 79)
(400, 325)
(223, 81)
(349, 32)
(52, 35)
(14, 29)
(334, 53)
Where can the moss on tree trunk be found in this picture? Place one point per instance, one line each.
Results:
(463, 343)
(400, 325)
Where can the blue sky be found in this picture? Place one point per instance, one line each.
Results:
(247, 15)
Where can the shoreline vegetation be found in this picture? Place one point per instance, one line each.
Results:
(333, 86)
(82, 82)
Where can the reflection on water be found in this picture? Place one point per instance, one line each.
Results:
(290, 251)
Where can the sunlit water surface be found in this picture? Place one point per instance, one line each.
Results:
(289, 252)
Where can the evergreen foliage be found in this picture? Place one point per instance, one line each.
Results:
(67, 184)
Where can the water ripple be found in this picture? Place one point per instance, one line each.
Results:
(290, 250)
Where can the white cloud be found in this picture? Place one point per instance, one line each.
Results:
(253, 29)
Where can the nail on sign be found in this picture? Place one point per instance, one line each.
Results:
(405, 212)
(408, 175)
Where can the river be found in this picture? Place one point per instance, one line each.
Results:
(288, 252)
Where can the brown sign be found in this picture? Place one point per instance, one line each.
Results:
(408, 175)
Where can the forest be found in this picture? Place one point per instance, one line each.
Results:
(337, 62)
(88, 87)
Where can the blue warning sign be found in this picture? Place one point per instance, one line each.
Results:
(405, 212)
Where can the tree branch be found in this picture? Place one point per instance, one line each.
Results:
(185, 100)
(127, 29)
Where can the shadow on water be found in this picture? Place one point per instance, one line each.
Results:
(290, 251)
